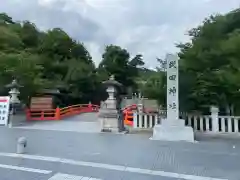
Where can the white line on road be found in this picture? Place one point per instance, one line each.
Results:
(110, 167)
(60, 176)
(25, 169)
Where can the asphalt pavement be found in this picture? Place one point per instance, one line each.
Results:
(57, 155)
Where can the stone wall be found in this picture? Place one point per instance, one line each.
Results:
(150, 104)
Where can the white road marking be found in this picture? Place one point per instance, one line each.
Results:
(60, 176)
(110, 167)
(19, 168)
(93, 154)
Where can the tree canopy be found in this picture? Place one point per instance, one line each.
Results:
(209, 67)
(209, 64)
(52, 59)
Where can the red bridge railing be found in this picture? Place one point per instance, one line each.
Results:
(128, 114)
(60, 113)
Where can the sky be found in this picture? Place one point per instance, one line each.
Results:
(147, 27)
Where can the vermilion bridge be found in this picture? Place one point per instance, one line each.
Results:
(86, 113)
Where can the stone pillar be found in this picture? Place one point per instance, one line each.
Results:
(214, 114)
(140, 106)
(172, 128)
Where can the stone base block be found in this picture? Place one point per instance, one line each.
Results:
(173, 133)
(109, 124)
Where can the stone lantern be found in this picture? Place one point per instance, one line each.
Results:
(16, 114)
(14, 92)
(108, 113)
(15, 104)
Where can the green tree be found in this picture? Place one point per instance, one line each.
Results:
(49, 59)
(9, 40)
(211, 59)
(25, 67)
(52, 59)
(116, 61)
(155, 87)
(29, 35)
(5, 19)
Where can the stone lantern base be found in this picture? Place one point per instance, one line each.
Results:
(17, 115)
(108, 119)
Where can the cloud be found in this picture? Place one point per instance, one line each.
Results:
(150, 27)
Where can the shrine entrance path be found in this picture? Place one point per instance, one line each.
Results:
(86, 122)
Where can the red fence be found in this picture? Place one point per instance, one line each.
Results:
(128, 114)
(60, 113)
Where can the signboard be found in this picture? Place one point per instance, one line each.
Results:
(40, 103)
(4, 109)
(172, 87)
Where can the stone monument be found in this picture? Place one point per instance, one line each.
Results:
(108, 113)
(172, 128)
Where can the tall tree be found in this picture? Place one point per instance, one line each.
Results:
(211, 60)
(116, 61)
(5, 19)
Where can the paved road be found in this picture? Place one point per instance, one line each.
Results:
(115, 157)
(86, 122)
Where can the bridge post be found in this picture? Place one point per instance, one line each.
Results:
(90, 107)
(57, 114)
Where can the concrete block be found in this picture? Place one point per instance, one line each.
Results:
(168, 132)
